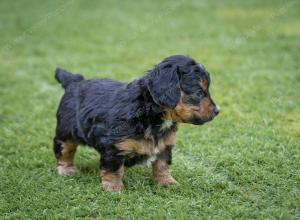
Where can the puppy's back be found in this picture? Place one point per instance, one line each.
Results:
(83, 101)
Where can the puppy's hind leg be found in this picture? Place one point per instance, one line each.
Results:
(64, 153)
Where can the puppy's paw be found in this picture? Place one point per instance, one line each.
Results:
(67, 170)
(166, 180)
(112, 186)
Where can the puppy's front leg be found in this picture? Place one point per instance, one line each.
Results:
(161, 170)
(112, 171)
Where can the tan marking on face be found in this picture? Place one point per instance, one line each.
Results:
(181, 113)
(161, 173)
(203, 85)
(206, 109)
(112, 181)
(185, 112)
(65, 162)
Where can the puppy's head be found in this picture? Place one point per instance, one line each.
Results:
(181, 86)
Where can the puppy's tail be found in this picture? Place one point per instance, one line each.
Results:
(65, 78)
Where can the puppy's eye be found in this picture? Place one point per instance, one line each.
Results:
(198, 93)
(194, 98)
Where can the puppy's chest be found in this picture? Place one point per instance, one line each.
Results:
(154, 141)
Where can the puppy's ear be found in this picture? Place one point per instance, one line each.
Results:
(163, 85)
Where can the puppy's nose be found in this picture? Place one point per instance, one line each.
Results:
(216, 110)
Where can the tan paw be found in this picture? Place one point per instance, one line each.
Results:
(67, 171)
(112, 187)
(166, 181)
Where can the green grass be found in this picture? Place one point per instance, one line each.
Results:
(245, 164)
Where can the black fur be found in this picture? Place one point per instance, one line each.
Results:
(101, 113)
(65, 78)
(57, 147)
(163, 85)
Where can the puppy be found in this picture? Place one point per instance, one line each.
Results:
(133, 123)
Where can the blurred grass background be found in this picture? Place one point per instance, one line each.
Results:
(245, 164)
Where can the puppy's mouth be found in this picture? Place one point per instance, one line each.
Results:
(201, 121)
(197, 119)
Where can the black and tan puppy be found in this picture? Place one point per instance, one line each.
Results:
(131, 123)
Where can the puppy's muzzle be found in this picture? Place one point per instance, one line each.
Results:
(200, 120)
(216, 110)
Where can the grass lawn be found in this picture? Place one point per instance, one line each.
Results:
(244, 164)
